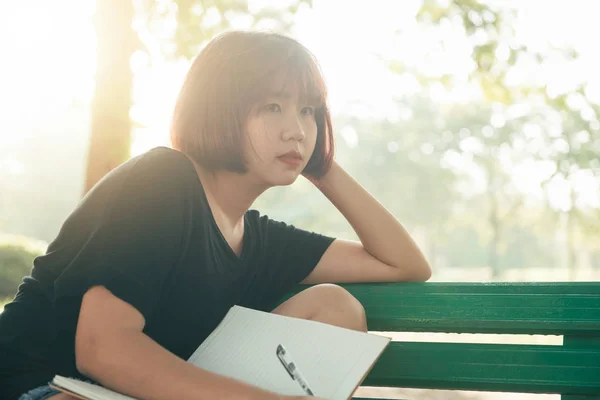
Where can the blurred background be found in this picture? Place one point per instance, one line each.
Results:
(475, 122)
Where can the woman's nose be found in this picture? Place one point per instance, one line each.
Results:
(293, 130)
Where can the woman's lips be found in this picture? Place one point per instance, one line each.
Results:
(292, 160)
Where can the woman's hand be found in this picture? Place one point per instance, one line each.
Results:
(312, 179)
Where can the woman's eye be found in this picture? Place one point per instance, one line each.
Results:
(308, 111)
(273, 107)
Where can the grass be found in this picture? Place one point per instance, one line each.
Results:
(3, 302)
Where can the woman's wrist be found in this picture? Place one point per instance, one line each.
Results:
(325, 182)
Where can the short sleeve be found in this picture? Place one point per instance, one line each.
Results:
(134, 224)
(292, 253)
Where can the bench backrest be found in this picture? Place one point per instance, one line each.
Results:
(569, 309)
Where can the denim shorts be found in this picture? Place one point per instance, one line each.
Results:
(40, 393)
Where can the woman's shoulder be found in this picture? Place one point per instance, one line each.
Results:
(264, 224)
(162, 159)
(159, 167)
(159, 176)
(255, 217)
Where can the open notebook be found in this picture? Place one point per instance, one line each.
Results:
(333, 361)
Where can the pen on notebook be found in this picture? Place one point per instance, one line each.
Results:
(292, 369)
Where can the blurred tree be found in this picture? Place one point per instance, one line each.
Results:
(573, 151)
(489, 29)
(496, 55)
(110, 122)
(497, 50)
(196, 22)
(401, 163)
(491, 142)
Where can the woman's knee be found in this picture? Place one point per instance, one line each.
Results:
(327, 303)
(338, 299)
(333, 295)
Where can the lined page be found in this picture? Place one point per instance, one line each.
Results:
(333, 360)
(88, 390)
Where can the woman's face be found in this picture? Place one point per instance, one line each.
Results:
(281, 133)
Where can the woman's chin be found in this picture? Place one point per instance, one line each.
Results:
(284, 179)
(287, 182)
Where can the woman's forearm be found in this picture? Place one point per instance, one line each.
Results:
(380, 233)
(137, 366)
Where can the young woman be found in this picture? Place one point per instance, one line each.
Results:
(159, 250)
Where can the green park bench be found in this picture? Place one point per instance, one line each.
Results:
(571, 310)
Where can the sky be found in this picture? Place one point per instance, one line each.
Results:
(48, 54)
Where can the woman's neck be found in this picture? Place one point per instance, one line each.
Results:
(229, 194)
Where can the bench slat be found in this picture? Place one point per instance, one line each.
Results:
(579, 288)
(505, 308)
(489, 367)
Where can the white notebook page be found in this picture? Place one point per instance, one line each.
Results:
(88, 390)
(333, 360)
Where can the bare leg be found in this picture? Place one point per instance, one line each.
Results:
(326, 303)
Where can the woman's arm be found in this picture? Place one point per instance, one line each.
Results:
(386, 252)
(112, 349)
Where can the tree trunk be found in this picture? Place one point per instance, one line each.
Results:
(432, 229)
(495, 240)
(110, 136)
(571, 248)
(493, 219)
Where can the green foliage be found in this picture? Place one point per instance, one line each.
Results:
(16, 259)
(456, 251)
(197, 21)
(496, 50)
(568, 121)
(3, 302)
(577, 146)
(404, 163)
(484, 24)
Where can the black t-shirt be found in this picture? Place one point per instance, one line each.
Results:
(146, 233)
